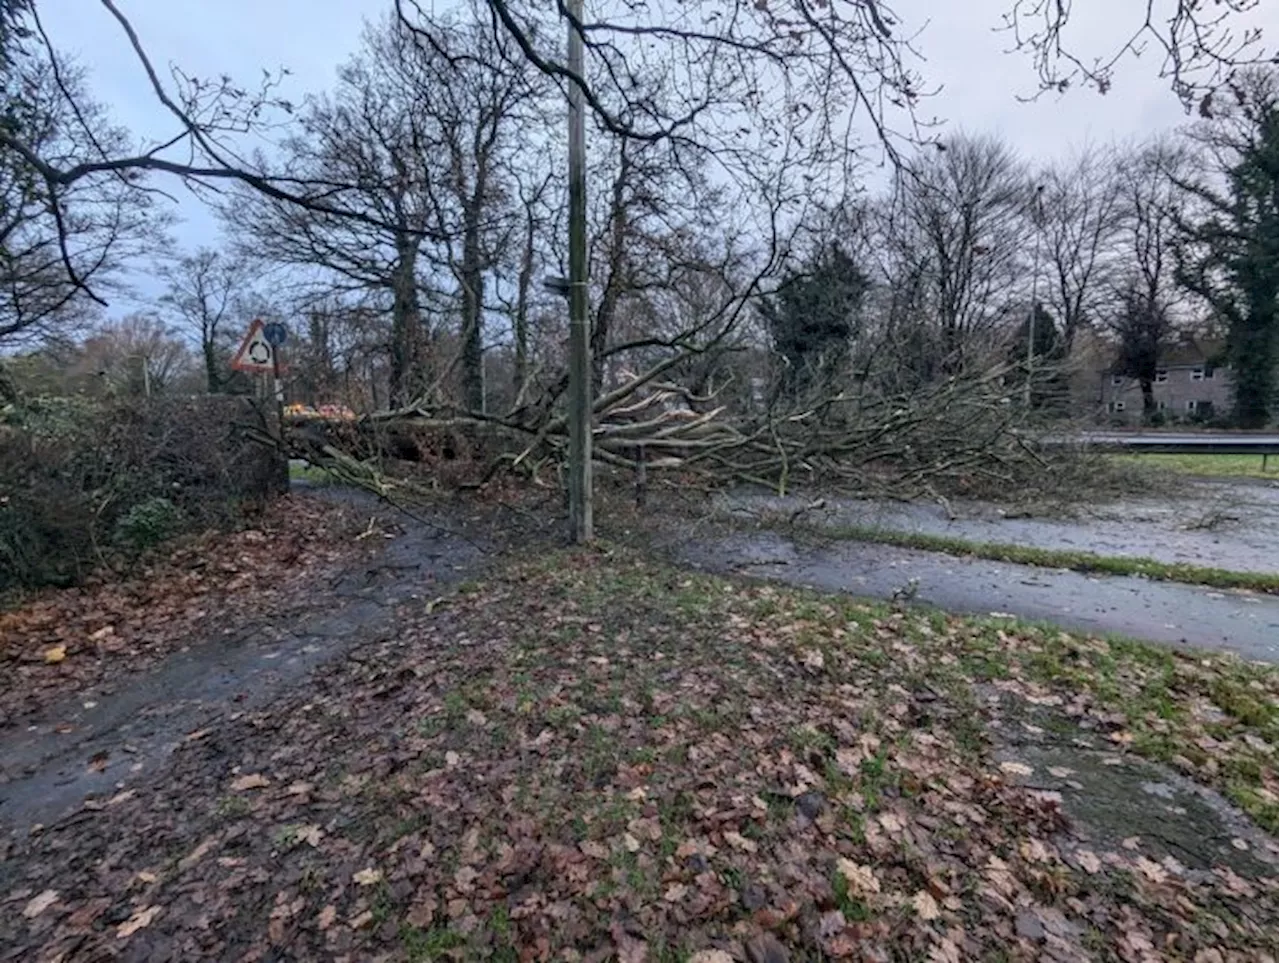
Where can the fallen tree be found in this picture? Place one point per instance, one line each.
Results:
(958, 436)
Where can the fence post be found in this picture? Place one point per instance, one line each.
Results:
(642, 478)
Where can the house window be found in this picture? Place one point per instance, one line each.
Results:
(1191, 405)
(1116, 406)
(1197, 374)
(1162, 405)
(1117, 381)
(1162, 375)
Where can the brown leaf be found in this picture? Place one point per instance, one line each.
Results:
(251, 781)
(38, 904)
(367, 877)
(137, 921)
(766, 949)
(862, 880)
(925, 905)
(196, 854)
(55, 654)
(711, 956)
(1088, 861)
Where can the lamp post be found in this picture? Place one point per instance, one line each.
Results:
(581, 523)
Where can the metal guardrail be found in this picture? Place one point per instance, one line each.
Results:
(1186, 444)
(1265, 446)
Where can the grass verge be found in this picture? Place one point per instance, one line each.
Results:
(1058, 558)
(595, 756)
(1210, 466)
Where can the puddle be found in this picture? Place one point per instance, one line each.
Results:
(1121, 803)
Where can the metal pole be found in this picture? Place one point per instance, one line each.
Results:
(581, 527)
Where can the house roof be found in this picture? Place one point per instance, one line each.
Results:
(1190, 353)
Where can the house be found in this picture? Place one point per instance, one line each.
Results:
(1188, 386)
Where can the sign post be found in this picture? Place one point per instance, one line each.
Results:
(260, 351)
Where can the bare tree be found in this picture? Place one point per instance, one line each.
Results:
(957, 230)
(1080, 219)
(139, 354)
(53, 244)
(1144, 317)
(203, 292)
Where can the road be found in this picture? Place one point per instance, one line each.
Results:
(1182, 616)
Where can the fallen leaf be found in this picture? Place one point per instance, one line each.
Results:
(363, 920)
(137, 921)
(55, 654)
(39, 904)
(326, 917)
(367, 877)
(925, 905)
(861, 879)
(1131, 842)
(765, 948)
(196, 854)
(630, 843)
(1016, 768)
(147, 877)
(675, 892)
(251, 781)
(711, 956)
(1088, 861)
(311, 835)
(451, 758)
(738, 841)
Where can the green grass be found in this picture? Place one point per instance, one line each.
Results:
(310, 473)
(1225, 466)
(1059, 558)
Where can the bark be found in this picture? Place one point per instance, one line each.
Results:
(616, 279)
(406, 324)
(520, 323)
(471, 277)
(212, 365)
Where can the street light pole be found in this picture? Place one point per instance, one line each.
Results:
(581, 523)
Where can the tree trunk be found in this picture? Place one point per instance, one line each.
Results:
(471, 276)
(1148, 400)
(520, 376)
(212, 367)
(8, 390)
(406, 323)
(615, 279)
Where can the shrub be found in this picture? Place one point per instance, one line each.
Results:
(148, 523)
(82, 484)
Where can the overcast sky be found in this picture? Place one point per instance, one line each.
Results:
(963, 53)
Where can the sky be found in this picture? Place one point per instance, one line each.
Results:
(962, 53)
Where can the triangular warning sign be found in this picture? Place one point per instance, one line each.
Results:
(255, 352)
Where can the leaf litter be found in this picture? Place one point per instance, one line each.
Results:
(663, 771)
(83, 639)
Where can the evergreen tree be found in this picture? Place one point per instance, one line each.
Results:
(1229, 256)
(813, 318)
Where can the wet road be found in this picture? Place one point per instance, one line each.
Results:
(1166, 612)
